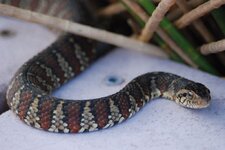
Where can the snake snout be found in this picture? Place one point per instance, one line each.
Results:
(199, 102)
(202, 103)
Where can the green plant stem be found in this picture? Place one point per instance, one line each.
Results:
(181, 41)
(172, 55)
(155, 38)
(219, 16)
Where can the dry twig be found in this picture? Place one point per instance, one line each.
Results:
(112, 9)
(198, 12)
(137, 8)
(141, 13)
(154, 20)
(81, 30)
(213, 47)
(198, 24)
(175, 48)
(176, 13)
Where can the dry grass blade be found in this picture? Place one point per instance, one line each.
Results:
(176, 13)
(198, 12)
(213, 47)
(154, 20)
(131, 4)
(198, 24)
(82, 30)
(141, 14)
(112, 9)
(175, 48)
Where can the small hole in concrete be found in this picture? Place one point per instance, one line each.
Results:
(6, 33)
(113, 80)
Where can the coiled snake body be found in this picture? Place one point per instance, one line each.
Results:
(28, 94)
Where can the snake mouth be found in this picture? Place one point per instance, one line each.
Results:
(200, 103)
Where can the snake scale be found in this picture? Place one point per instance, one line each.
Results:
(29, 93)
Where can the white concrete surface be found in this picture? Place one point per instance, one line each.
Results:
(160, 125)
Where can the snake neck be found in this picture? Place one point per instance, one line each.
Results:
(171, 84)
(161, 84)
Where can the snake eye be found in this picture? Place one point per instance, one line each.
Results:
(189, 95)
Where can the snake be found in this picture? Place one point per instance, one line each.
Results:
(29, 94)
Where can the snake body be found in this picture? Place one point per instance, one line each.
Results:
(29, 93)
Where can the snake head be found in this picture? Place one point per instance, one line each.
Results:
(193, 95)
